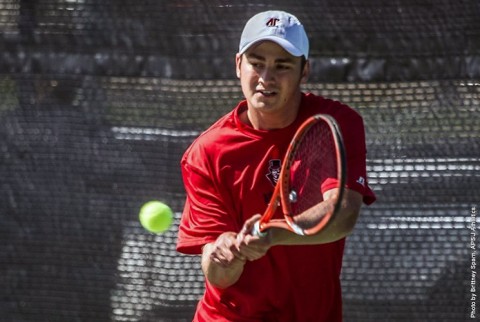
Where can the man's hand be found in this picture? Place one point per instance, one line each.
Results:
(252, 247)
(224, 259)
(222, 262)
(225, 251)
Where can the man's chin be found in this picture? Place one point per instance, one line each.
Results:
(263, 104)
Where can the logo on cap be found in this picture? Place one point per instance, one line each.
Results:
(272, 22)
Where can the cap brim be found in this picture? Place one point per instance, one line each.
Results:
(280, 41)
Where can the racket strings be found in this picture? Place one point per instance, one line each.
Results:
(314, 167)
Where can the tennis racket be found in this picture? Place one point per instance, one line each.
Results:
(314, 162)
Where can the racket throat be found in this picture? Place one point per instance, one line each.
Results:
(297, 229)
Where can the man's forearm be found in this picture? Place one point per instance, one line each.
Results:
(340, 227)
(335, 231)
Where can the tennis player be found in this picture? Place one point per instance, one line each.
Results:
(229, 174)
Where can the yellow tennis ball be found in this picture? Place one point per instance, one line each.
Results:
(155, 216)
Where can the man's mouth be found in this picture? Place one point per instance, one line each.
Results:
(267, 93)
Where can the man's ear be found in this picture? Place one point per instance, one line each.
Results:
(238, 62)
(305, 72)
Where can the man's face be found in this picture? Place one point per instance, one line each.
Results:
(270, 77)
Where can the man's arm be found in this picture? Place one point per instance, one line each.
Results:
(223, 260)
(341, 226)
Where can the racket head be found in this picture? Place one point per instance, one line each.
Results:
(316, 145)
(314, 163)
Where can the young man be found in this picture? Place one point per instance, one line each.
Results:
(229, 176)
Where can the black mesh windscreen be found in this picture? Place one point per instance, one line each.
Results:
(99, 100)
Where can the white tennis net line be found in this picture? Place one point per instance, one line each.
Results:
(148, 134)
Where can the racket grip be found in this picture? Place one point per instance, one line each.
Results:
(256, 230)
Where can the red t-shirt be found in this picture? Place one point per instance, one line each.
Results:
(229, 175)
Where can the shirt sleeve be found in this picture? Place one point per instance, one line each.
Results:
(205, 216)
(353, 132)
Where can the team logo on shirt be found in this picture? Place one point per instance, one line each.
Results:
(274, 167)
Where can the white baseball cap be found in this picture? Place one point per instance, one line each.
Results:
(277, 26)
